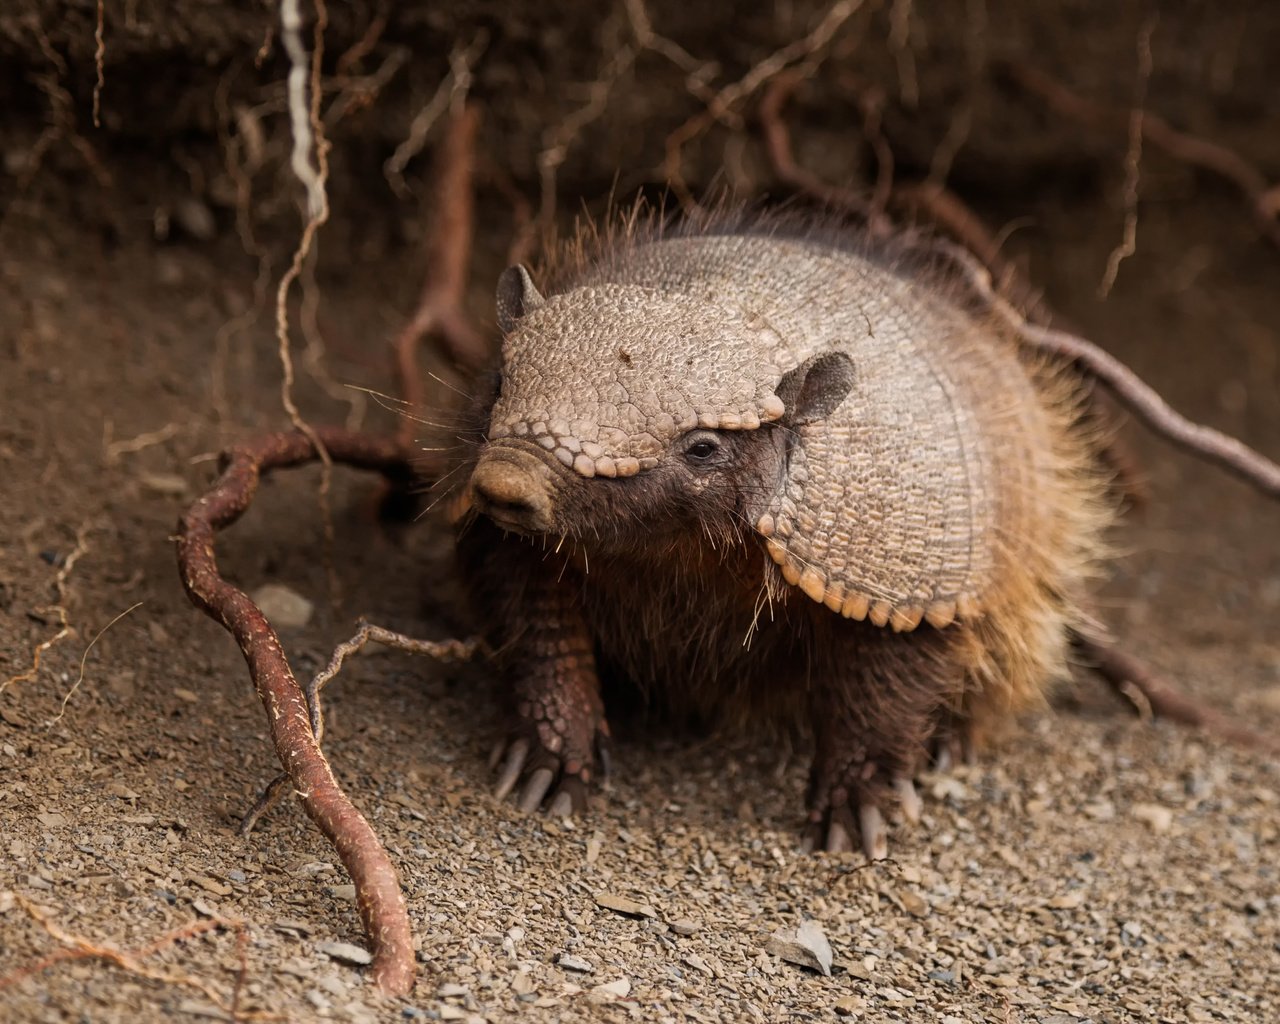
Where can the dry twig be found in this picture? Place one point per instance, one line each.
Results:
(66, 697)
(900, 45)
(112, 450)
(379, 899)
(558, 140)
(62, 119)
(777, 140)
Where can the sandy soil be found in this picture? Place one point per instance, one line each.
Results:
(1093, 867)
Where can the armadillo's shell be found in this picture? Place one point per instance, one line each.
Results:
(896, 506)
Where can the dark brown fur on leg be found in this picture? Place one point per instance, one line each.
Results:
(549, 662)
(873, 716)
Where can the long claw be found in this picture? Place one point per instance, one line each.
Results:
(516, 755)
(604, 758)
(908, 798)
(942, 758)
(875, 841)
(561, 805)
(838, 838)
(495, 755)
(535, 789)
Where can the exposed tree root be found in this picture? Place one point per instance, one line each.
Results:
(380, 902)
(1150, 694)
(1209, 444)
(441, 650)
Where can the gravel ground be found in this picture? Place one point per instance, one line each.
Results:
(1092, 867)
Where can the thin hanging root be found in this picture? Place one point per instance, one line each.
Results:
(441, 650)
(380, 902)
(1131, 679)
(448, 252)
(1263, 196)
(934, 201)
(723, 103)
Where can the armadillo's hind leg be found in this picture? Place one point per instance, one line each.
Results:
(873, 717)
(954, 741)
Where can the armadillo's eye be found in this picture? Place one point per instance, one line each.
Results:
(703, 448)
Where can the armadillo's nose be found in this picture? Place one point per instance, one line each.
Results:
(513, 488)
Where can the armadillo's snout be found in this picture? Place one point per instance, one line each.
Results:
(513, 489)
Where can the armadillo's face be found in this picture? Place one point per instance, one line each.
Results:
(623, 409)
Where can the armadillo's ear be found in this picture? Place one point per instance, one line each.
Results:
(815, 388)
(517, 295)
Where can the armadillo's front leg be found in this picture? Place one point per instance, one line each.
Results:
(874, 710)
(559, 724)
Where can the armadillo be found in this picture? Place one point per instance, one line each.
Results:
(775, 474)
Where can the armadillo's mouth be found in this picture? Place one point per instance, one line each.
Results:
(515, 487)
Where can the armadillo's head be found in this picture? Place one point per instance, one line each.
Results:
(625, 410)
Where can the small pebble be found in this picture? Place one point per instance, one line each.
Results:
(610, 991)
(698, 964)
(195, 217)
(346, 952)
(1158, 819)
(168, 485)
(574, 963)
(913, 903)
(806, 946)
(623, 905)
(283, 607)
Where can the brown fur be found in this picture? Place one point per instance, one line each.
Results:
(667, 577)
